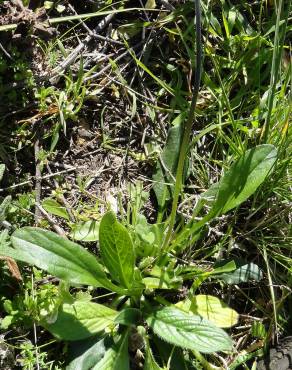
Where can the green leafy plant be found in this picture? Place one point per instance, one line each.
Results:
(79, 319)
(138, 279)
(29, 305)
(144, 298)
(5, 202)
(17, 69)
(30, 357)
(236, 186)
(59, 106)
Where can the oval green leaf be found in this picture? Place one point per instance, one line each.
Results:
(188, 331)
(117, 250)
(242, 179)
(244, 272)
(81, 320)
(87, 353)
(55, 208)
(58, 256)
(99, 354)
(211, 308)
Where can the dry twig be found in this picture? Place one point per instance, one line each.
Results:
(52, 222)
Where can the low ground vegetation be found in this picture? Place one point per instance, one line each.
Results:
(145, 184)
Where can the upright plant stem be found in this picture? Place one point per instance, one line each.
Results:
(274, 74)
(187, 129)
(38, 174)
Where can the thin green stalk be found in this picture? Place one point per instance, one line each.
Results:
(206, 365)
(238, 144)
(274, 73)
(273, 298)
(187, 130)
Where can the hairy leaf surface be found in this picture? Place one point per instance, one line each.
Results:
(150, 363)
(188, 331)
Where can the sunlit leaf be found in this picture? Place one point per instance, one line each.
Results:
(150, 4)
(81, 320)
(117, 250)
(58, 256)
(242, 179)
(86, 231)
(155, 283)
(4, 207)
(2, 170)
(211, 308)
(243, 273)
(188, 331)
(55, 208)
(166, 167)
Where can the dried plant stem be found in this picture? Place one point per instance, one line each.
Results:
(78, 17)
